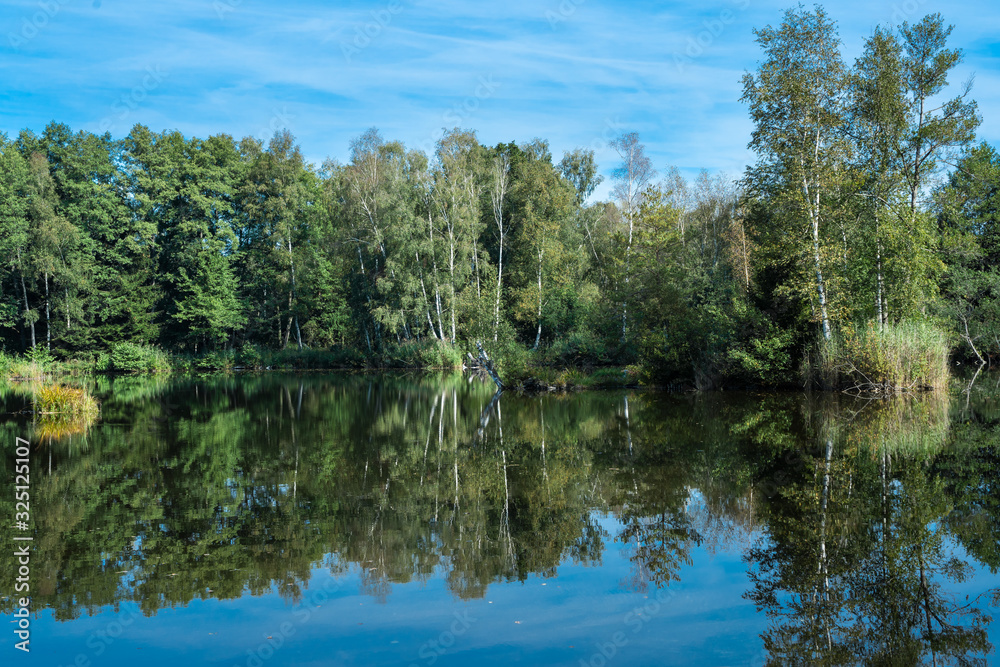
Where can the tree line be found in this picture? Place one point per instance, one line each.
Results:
(845, 220)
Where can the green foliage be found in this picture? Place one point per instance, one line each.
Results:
(230, 253)
(764, 359)
(307, 359)
(899, 357)
(37, 365)
(250, 357)
(127, 357)
(580, 346)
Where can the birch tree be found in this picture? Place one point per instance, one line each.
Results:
(878, 117)
(499, 185)
(631, 180)
(796, 101)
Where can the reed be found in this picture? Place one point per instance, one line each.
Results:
(907, 356)
(20, 369)
(70, 402)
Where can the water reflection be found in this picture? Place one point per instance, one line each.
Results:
(859, 520)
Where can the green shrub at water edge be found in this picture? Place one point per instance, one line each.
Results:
(250, 357)
(131, 358)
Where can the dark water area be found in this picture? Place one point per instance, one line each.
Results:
(419, 520)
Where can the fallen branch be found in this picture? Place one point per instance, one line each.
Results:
(487, 365)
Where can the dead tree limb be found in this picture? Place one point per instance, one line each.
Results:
(484, 360)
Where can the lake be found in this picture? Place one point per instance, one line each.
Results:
(328, 519)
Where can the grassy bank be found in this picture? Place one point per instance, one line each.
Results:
(907, 356)
(27, 368)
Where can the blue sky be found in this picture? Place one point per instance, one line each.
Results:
(574, 72)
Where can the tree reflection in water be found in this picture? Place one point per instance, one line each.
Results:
(858, 520)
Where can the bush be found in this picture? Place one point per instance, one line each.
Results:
(578, 347)
(250, 357)
(217, 360)
(512, 361)
(440, 355)
(132, 358)
(423, 354)
(910, 355)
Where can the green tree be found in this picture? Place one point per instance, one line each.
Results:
(796, 102)
(969, 219)
(187, 188)
(14, 236)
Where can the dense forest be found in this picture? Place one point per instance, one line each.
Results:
(871, 211)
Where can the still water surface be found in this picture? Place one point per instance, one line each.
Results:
(414, 520)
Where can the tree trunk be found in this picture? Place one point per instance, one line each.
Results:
(812, 205)
(48, 323)
(500, 169)
(423, 290)
(437, 288)
(451, 271)
(538, 335)
(292, 295)
(475, 261)
(882, 315)
(27, 309)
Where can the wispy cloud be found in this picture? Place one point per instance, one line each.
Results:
(252, 64)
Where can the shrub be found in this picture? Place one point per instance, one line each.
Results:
(439, 355)
(131, 358)
(216, 360)
(250, 357)
(579, 346)
(512, 361)
(910, 355)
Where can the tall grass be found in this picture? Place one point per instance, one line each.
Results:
(33, 366)
(908, 356)
(72, 402)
